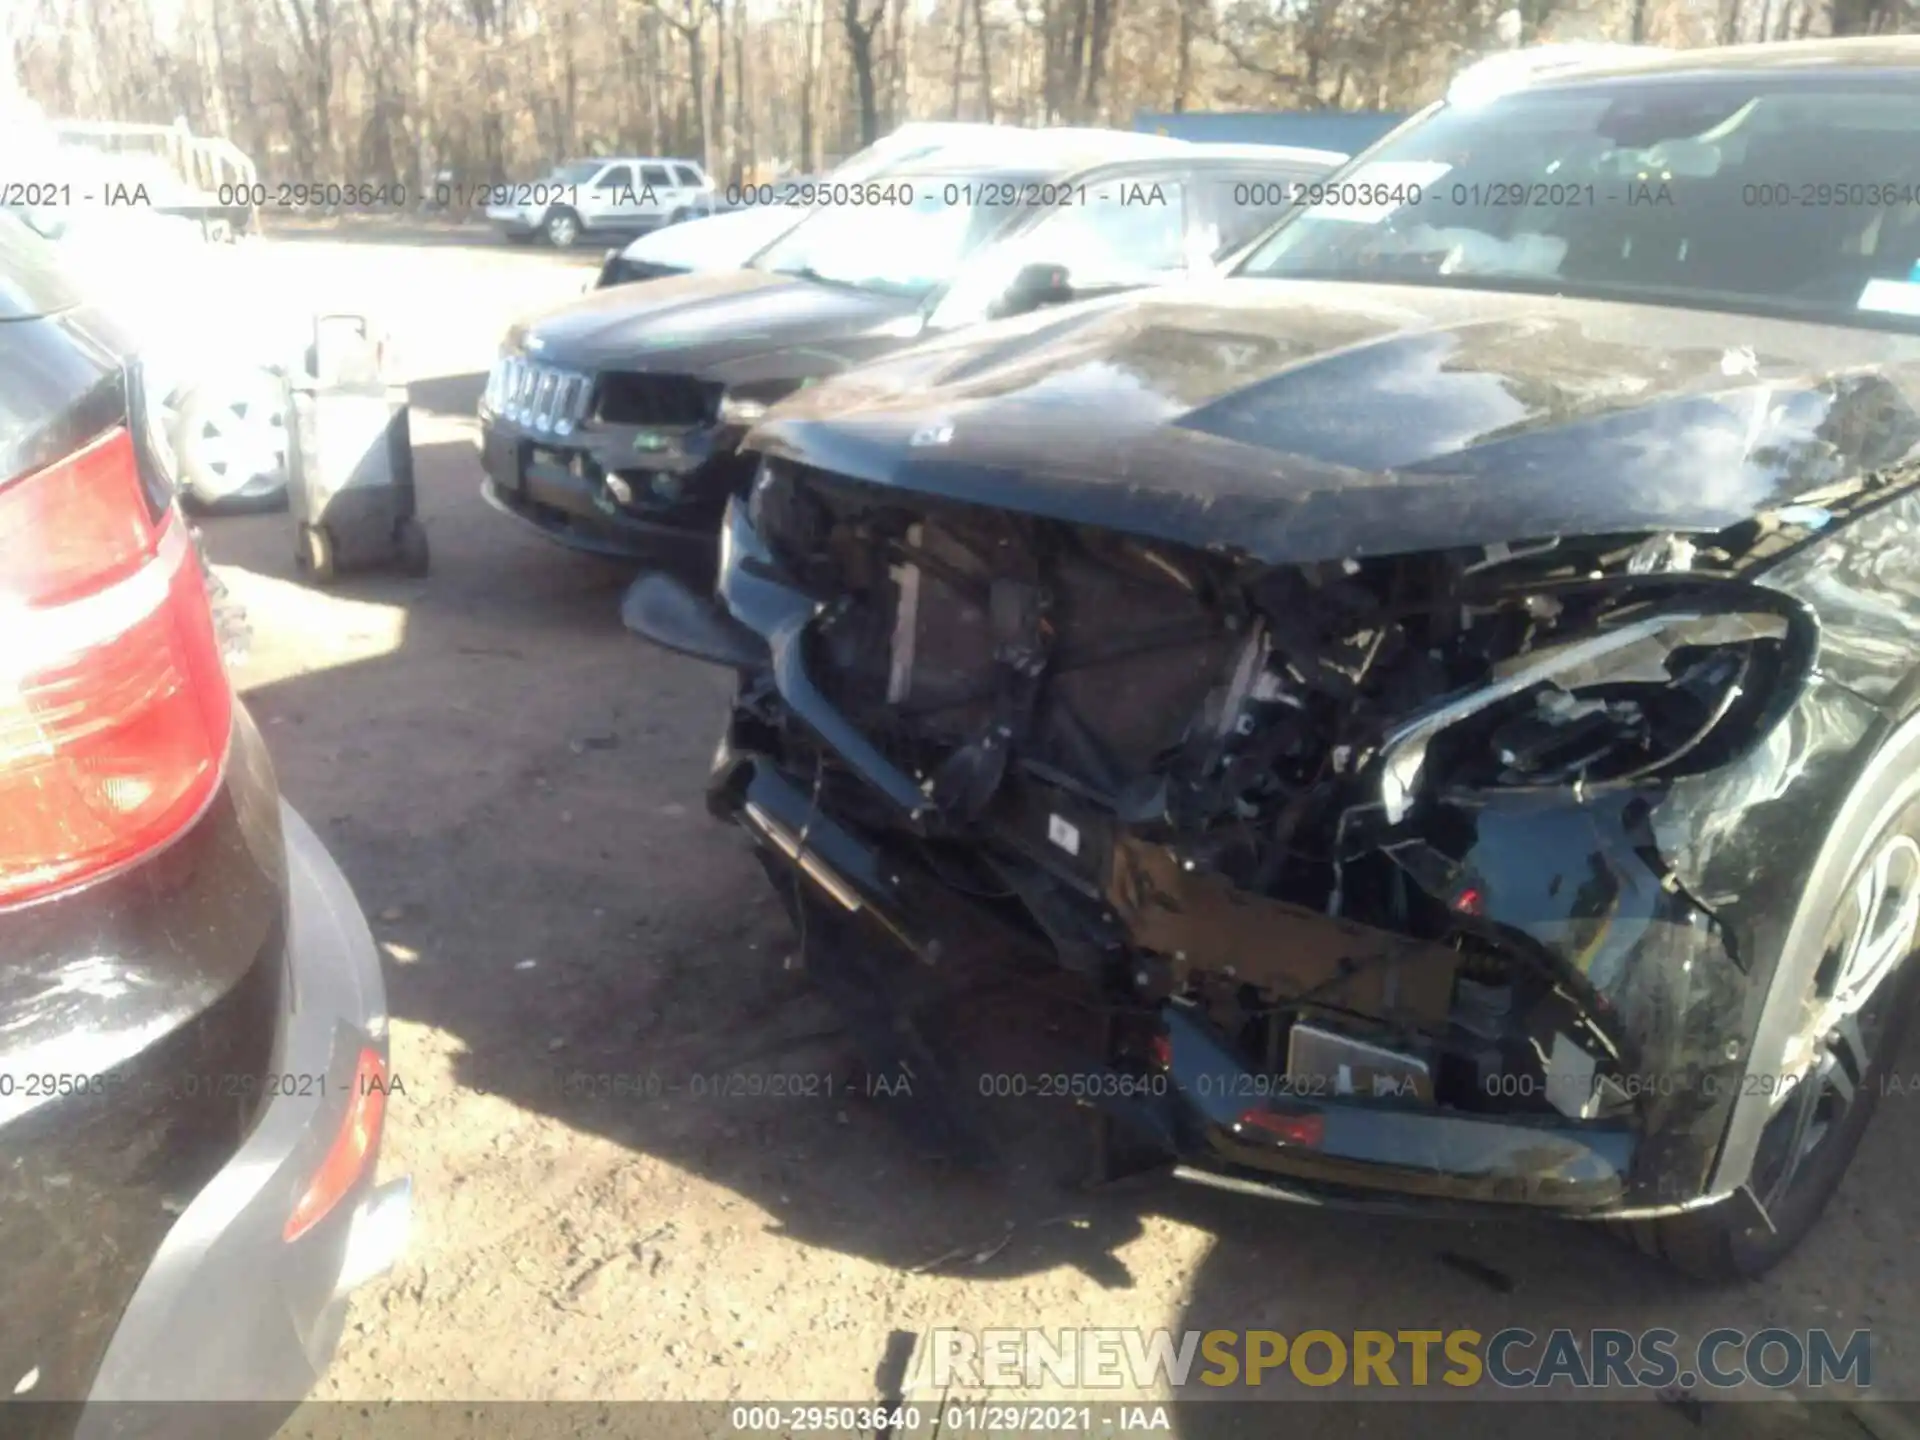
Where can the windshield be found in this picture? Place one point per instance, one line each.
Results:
(1796, 197)
(910, 248)
(576, 172)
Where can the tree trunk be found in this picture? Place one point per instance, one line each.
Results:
(859, 29)
(1183, 59)
(719, 155)
(743, 157)
(986, 60)
(690, 29)
(810, 90)
(656, 83)
(1098, 34)
(1858, 17)
(1076, 59)
(897, 65)
(570, 86)
(959, 56)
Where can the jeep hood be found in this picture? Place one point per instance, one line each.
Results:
(1296, 421)
(715, 242)
(709, 324)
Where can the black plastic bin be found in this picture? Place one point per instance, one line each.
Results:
(350, 458)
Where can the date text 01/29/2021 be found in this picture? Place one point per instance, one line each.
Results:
(204, 1085)
(1000, 1418)
(730, 1085)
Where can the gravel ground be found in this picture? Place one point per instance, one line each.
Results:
(513, 784)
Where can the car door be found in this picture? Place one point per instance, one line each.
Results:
(654, 195)
(692, 192)
(606, 198)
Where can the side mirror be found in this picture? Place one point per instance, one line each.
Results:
(1034, 286)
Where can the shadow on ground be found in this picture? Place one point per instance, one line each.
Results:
(521, 781)
(450, 395)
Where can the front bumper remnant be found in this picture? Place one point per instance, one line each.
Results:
(1167, 937)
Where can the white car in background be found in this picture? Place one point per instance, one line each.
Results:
(618, 194)
(728, 240)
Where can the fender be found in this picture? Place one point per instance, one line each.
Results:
(1889, 781)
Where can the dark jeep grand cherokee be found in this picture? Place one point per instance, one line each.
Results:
(611, 424)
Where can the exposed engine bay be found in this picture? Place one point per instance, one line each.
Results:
(1244, 789)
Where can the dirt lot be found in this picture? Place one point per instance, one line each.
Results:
(513, 784)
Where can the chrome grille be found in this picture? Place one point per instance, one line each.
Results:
(540, 397)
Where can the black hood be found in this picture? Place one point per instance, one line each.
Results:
(726, 325)
(1297, 421)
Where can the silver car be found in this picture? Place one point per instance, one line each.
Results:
(618, 195)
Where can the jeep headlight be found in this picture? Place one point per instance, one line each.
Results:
(744, 411)
(746, 407)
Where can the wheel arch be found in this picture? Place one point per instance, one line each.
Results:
(1888, 781)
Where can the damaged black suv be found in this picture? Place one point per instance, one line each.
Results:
(1452, 686)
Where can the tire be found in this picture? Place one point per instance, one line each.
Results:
(410, 545)
(316, 555)
(1731, 1242)
(561, 228)
(678, 216)
(230, 440)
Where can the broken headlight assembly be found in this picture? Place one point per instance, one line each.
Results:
(1654, 693)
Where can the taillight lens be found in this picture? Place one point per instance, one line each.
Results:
(1287, 1128)
(352, 1148)
(115, 707)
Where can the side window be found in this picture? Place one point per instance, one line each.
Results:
(1128, 232)
(654, 177)
(1236, 208)
(687, 175)
(615, 177)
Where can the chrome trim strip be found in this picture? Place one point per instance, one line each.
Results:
(786, 841)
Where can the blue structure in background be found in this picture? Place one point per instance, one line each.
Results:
(1347, 131)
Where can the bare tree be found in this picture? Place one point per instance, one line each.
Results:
(690, 25)
(860, 24)
(986, 59)
(348, 90)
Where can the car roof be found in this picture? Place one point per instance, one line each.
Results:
(1053, 158)
(1050, 148)
(1263, 154)
(1072, 162)
(1601, 62)
(633, 160)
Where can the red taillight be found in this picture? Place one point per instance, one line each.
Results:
(1160, 1050)
(353, 1146)
(1306, 1129)
(114, 704)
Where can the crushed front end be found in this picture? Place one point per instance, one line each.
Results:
(1402, 878)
